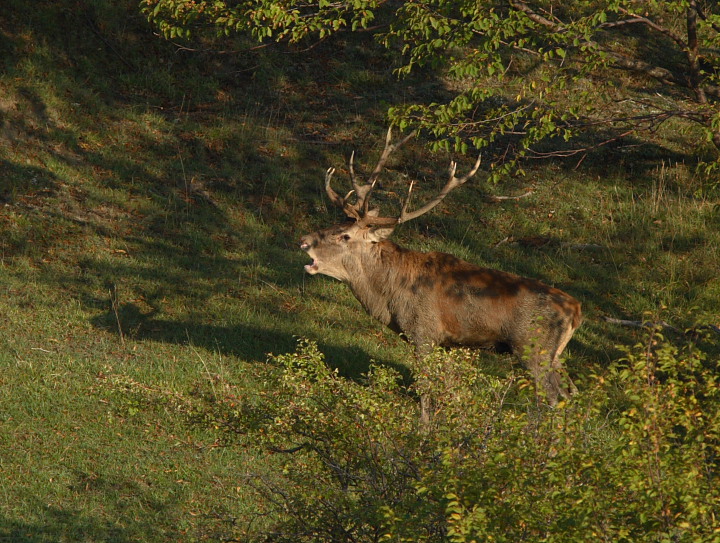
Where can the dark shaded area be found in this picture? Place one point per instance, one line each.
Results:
(62, 524)
(19, 181)
(602, 154)
(245, 341)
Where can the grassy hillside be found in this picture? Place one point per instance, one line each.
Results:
(151, 202)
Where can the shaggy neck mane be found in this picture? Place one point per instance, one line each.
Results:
(381, 278)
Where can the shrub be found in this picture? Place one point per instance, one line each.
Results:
(633, 457)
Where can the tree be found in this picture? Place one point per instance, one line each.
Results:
(522, 73)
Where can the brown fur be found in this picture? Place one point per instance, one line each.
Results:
(437, 299)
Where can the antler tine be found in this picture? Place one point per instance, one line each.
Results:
(360, 209)
(349, 209)
(406, 203)
(334, 196)
(389, 148)
(452, 184)
(361, 191)
(351, 166)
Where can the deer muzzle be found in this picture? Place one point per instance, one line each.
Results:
(312, 269)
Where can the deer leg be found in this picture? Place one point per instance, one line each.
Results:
(547, 379)
(556, 362)
(427, 404)
(547, 368)
(427, 410)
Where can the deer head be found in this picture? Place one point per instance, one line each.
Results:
(365, 225)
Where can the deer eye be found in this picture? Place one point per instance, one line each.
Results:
(345, 237)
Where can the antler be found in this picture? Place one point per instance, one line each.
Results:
(405, 216)
(452, 184)
(387, 151)
(362, 192)
(359, 210)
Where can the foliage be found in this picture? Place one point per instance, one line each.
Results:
(668, 462)
(520, 71)
(264, 20)
(633, 458)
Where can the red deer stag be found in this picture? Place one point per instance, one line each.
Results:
(435, 298)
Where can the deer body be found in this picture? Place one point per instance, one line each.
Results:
(437, 299)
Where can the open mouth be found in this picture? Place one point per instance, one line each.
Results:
(312, 268)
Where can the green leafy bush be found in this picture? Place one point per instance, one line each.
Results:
(634, 457)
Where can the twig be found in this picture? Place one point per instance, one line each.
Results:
(291, 450)
(584, 246)
(115, 304)
(205, 366)
(93, 27)
(651, 24)
(580, 161)
(641, 324)
(662, 325)
(714, 26)
(493, 198)
(571, 152)
(180, 47)
(504, 240)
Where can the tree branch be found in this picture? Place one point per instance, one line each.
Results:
(642, 324)
(291, 450)
(652, 24)
(692, 53)
(702, 15)
(663, 75)
(493, 198)
(536, 17)
(661, 324)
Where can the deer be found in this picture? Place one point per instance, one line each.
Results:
(434, 299)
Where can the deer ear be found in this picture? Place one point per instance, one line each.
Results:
(379, 233)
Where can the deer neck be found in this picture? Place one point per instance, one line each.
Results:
(374, 279)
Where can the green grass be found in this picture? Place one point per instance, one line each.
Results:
(149, 217)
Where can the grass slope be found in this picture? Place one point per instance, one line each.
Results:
(150, 206)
